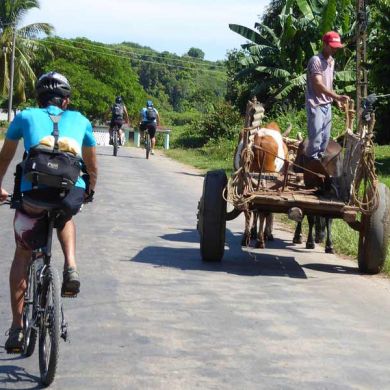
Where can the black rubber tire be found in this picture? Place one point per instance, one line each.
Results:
(115, 142)
(30, 334)
(212, 216)
(374, 235)
(49, 328)
(147, 145)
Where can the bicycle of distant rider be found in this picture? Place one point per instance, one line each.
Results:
(147, 143)
(115, 139)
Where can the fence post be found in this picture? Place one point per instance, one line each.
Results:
(166, 140)
(136, 138)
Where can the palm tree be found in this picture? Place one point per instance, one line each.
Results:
(26, 49)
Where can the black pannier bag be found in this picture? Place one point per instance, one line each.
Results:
(52, 168)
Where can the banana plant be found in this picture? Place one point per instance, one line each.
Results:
(276, 57)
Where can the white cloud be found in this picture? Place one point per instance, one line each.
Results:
(173, 25)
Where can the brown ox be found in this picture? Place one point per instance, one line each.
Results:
(269, 154)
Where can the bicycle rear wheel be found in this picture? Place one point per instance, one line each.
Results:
(115, 141)
(49, 327)
(148, 145)
(30, 311)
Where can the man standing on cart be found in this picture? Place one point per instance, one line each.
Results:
(320, 95)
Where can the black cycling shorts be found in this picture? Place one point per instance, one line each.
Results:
(118, 122)
(150, 127)
(50, 197)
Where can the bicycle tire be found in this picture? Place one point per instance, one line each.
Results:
(30, 311)
(147, 145)
(115, 141)
(49, 326)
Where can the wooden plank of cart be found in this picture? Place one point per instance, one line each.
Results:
(357, 197)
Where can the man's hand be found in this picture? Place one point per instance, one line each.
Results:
(3, 195)
(342, 99)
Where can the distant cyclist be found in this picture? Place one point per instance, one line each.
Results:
(119, 116)
(149, 120)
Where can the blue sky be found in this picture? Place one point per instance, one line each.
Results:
(171, 25)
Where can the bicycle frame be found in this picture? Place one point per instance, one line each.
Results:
(46, 308)
(115, 139)
(147, 143)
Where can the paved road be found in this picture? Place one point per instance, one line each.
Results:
(151, 315)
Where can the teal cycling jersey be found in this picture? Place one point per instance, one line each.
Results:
(34, 124)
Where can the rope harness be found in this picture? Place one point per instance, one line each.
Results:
(242, 186)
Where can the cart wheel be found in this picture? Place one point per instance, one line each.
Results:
(212, 216)
(374, 235)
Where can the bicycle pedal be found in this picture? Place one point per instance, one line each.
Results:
(68, 294)
(14, 351)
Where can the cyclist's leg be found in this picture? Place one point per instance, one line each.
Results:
(112, 124)
(67, 237)
(152, 133)
(66, 232)
(18, 284)
(121, 133)
(29, 230)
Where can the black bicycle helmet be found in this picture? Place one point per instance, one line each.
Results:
(118, 99)
(53, 83)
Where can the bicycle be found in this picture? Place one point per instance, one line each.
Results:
(115, 139)
(43, 313)
(147, 143)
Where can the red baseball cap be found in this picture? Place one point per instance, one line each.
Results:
(332, 39)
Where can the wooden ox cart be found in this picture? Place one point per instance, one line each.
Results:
(356, 197)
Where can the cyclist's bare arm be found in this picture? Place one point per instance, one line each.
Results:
(89, 157)
(7, 153)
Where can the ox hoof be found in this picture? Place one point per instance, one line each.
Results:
(297, 240)
(319, 239)
(260, 244)
(310, 245)
(269, 237)
(329, 249)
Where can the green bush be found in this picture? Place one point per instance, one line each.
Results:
(3, 124)
(223, 122)
(173, 118)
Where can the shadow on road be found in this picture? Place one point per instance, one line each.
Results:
(191, 174)
(120, 156)
(333, 268)
(11, 374)
(235, 261)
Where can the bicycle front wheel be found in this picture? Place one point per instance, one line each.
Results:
(49, 326)
(115, 141)
(148, 145)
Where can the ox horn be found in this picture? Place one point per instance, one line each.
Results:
(299, 136)
(287, 132)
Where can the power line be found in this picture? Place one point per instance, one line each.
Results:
(153, 55)
(105, 49)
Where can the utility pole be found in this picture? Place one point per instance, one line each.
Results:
(11, 79)
(361, 59)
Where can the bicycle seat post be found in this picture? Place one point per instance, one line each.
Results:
(51, 216)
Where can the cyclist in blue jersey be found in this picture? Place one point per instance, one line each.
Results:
(35, 126)
(149, 120)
